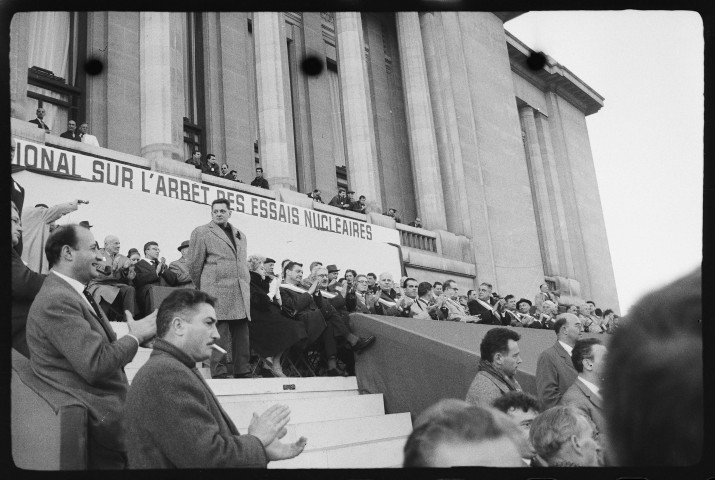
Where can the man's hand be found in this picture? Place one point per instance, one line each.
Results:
(270, 424)
(144, 329)
(278, 450)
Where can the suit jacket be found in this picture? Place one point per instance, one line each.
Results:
(221, 270)
(388, 310)
(174, 420)
(147, 277)
(489, 317)
(78, 353)
(486, 388)
(580, 396)
(36, 121)
(71, 135)
(554, 375)
(25, 286)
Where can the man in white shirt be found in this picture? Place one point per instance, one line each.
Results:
(589, 358)
(86, 137)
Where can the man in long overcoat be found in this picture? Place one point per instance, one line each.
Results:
(218, 266)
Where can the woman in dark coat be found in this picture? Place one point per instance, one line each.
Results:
(271, 333)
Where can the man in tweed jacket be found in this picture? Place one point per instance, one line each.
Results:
(218, 266)
(174, 420)
(500, 359)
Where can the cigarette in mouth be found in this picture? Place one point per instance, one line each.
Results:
(216, 347)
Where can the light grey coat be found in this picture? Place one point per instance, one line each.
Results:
(221, 270)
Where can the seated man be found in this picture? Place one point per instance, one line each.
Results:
(455, 311)
(112, 286)
(151, 271)
(523, 409)
(454, 433)
(180, 267)
(563, 437)
(523, 307)
(500, 359)
(359, 205)
(174, 419)
(547, 318)
(510, 311)
(387, 304)
(483, 307)
(424, 307)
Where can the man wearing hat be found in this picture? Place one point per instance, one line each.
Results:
(523, 306)
(181, 268)
(333, 272)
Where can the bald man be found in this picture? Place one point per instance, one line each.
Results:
(113, 286)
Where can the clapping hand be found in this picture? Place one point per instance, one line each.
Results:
(270, 425)
(144, 329)
(278, 450)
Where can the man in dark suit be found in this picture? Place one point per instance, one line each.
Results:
(554, 369)
(218, 266)
(73, 347)
(589, 359)
(25, 285)
(259, 181)
(173, 418)
(151, 271)
(39, 120)
(71, 132)
(482, 306)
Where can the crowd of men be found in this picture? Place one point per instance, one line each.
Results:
(73, 133)
(589, 410)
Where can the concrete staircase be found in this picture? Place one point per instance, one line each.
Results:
(344, 429)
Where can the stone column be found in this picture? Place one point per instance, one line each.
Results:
(160, 116)
(540, 192)
(272, 101)
(20, 106)
(420, 123)
(558, 213)
(355, 99)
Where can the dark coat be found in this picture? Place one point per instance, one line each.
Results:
(71, 135)
(488, 316)
(271, 332)
(554, 375)
(260, 182)
(147, 277)
(306, 311)
(25, 286)
(76, 352)
(174, 420)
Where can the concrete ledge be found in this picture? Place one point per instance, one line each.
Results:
(419, 231)
(27, 131)
(454, 246)
(241, 187)
(381, 220)
(294, 198)
(424, 260)
(321, 207)
(172, 167)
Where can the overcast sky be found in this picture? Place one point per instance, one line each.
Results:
(647, 139)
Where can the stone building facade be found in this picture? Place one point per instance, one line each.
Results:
(435, 114)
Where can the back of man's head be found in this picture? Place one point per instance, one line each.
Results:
(452, 433)
(582, 350)
(423, 289)
(653, 388)
(517, 400)
(558, 436)
(179, 302)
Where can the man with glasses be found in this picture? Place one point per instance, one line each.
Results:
(456, 312)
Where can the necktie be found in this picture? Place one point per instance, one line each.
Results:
(91, 301)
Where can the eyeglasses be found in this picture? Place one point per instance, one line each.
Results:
(362, 281)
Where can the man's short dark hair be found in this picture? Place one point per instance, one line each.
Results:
(508, 297)
(149, 244)
(209, 155)
(446, 284)
(423, 288)
(607, 312)
(221, 200)
(290, 266)
(371, 275)
(469, 292)
(517, 400)
(451, 421)
(61, 236)
(496, 341)
(653, 380)
(591, 302)
(560, 322)
(404, 284)
(259, 168)
(361, 197)
(434, 285)
(179, 301)
(581, 350)
(351, 271)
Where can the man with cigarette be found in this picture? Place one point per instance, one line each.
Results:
(174, 420)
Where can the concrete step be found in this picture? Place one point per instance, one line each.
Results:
(286, 396)
(281, 385)
(379, 454)
(349, 431)
(132, 371)
(310, 409)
